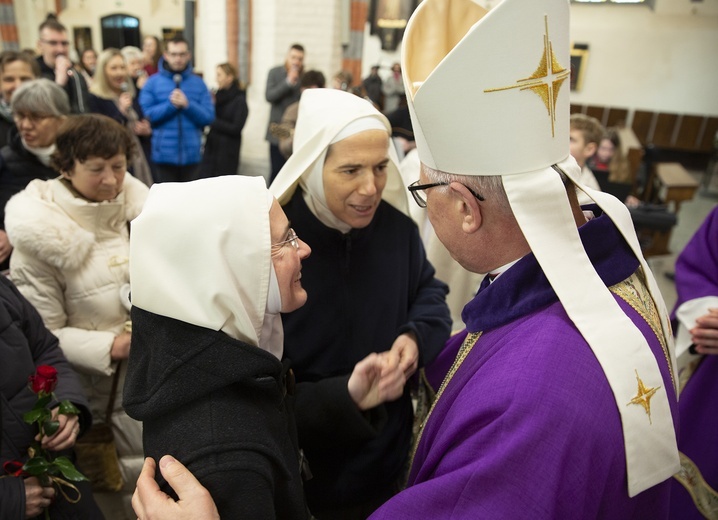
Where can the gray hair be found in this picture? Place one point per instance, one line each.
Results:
(41, 97)
(130, 53)
(490, 187)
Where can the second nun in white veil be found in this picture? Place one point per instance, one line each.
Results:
(371, 290)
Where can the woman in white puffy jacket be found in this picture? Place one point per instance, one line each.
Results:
(71, 238)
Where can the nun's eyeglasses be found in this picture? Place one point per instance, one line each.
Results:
(292, 239)
(417, 189)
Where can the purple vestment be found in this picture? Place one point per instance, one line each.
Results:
(697, 277)
(528, 426)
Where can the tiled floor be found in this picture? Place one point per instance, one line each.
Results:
(690, 217)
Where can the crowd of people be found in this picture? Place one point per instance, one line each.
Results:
(301, 356)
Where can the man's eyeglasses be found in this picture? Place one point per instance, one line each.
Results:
(55, 43)
(32, 118)
(417, 189)
(292, 239)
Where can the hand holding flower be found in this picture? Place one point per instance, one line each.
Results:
(57, 430)
(37, 497)
(66, 434)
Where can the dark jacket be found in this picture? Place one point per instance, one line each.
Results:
(25, 343)
(76, 87)
(108, 107)
(223, 408)
(17, 168)
(365, 288)
(177, 132)
(280, 94)
(6, 125)
(221, 150)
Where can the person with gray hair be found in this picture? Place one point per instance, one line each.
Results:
(38, 108)
(135, 65)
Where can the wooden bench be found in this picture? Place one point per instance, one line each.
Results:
(675, 184)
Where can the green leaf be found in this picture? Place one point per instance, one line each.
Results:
(67, 408)
(34, 416)
(50, 427)
(36, 466)
(42, 402)
(68, 470)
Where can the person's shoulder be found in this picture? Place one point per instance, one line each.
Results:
(277, 71)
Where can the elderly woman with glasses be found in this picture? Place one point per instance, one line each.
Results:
(371, 290)
(39, 108)
(205, 374)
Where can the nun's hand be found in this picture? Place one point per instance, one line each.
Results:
(376, 379)
(406, 347)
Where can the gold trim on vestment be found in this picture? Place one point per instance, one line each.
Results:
(634, 292)
(704, 497)
(466, 347)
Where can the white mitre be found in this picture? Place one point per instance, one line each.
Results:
(488, 94)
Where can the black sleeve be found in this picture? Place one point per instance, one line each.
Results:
(45, 349)
(12, 497)
(326, 415)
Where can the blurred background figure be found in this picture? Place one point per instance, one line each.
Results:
(342, 80)
(113, 94)
(15, 69)
(152, 50)
(56, 66)
(584, 135)
(373, 87)
(39, 107)
(283, 89)
(179, 105)
(221, 149)
(285, 130)
(87, 63)
(611, 168)
(393, 88)
(135, 65)
(71, 237)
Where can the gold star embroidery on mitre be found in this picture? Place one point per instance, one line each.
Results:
(546, 81)
(643, 397)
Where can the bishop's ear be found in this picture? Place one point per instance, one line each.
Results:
(469, 207)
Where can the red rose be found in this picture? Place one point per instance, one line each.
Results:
(44, 380)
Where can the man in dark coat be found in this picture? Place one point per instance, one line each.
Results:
(56, 66)
(283, 89)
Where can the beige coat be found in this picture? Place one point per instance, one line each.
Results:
(71, 259)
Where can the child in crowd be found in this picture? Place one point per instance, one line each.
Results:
(584, 134)
(611, 168)
(610, 158)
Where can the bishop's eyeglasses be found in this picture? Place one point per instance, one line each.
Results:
(417, 191)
